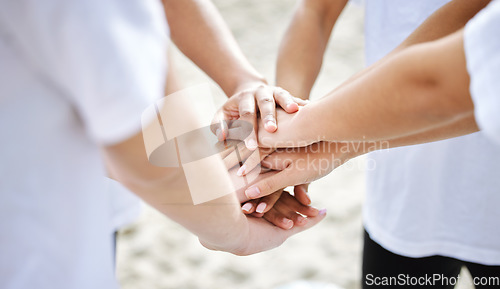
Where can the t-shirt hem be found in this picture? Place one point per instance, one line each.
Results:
(432, 248)
(126, 122)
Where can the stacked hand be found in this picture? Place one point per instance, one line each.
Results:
(285, 154)
(254, 101)
(264, 227)
(293, 160)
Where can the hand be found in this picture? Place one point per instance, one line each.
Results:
(293, 131)
(288, 212)
(243, 105)
(290, 132)
(281, 209)
(234, 153)
(260, 235)
(300, 166)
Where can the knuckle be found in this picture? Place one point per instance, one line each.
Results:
(266, 99)
(246, 94)
(261, 86)
(268, 185)
(281, 92)
(247, 113)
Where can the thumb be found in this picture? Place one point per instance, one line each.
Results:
(312, 221)
(267, 186)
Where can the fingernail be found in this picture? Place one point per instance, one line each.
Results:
(322, 212)
(261, 207)
(251, 144)
(252, 192)
(287, 222)
(301, 219)
(241, 171)
(271, 125)
(247, 207)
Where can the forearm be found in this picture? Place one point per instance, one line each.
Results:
(463, 126)
(219, 222)
(428, 87)
(301, 51)
(446, 20)
(201, 34)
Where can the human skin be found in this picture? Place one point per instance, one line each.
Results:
(305, 57)
(301, 55)
(436, 108)
(433, 94)
(201, 34)
(219, 223)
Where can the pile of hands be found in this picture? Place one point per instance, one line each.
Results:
(265, 153)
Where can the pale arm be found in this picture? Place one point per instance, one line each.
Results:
(302, 48)
(199, 31)
(219, 224)
(444, 21)
(422, 87)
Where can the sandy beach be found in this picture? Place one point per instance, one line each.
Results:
(155, 253)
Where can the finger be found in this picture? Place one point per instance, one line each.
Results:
(312, 221)
(301, 102)
(288, 203)
(300, 193)
(219, 125)
(266, 203)
(286, 100)
(283, 179)
(278, 219)
(226, 148)
(249, 207)
(257, 215)
(248, 113)
(236, 133)
(277, 161)
(237, 156)
(289, 212)
(267, 108)
(274, 235)
(251, 162)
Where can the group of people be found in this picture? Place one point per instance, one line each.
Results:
(77, 75)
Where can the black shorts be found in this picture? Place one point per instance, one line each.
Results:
(384, 269)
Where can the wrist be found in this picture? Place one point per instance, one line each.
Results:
(307, 125)
(232, 240)
(245, 83)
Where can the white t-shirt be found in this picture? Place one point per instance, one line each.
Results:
(440, 198)
(482, 49)
(74, 75)
(125, 206)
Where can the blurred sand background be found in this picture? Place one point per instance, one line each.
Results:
(156, 253)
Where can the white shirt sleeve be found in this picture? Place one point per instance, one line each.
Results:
(482, 50)
(107, 57)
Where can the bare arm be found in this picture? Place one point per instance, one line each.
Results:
(422, 87)
(301, 51)
(199, 31)
(219, 223)
(201, 34)
(444, 21)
